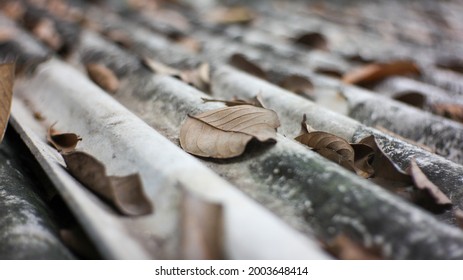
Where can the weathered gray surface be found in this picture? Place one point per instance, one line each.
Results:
(303, 188)
(27, 229)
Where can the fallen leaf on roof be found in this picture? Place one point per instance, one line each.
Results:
(312, 40)
(345, 248)
(124, 192)
(242, 63)
(377, 71)
(299, 85)
(412, 98)
(103, 77)
(189, 43)
(449, 110)
(198, 77)
(46, 31)
(426, 187)
(225, 132)
(363, 158)
(201, 228)
(230, 15)
(256, 101)
(6, 94)
(63, 142)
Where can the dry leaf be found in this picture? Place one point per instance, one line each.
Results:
(449, 110)
(7, 34)
(383, 166)
(45, 30)
(298, 84)
(201, 228)
(345, 248)
(119, 37)
(313, 40)
(6, 94)
(63, 142)
(426, 187)
(230, 15)
(378, 71)
(125, 193)
(363, 158)
(241, 62)
(103, 77)
(256, 101)
(189, 43)
(330, 146)
(160, 68)
(412, 98)
(198, 77)
(225, 132)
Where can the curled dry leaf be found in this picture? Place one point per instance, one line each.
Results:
(103, 77)
(426, 187)
(241, 62)
(63, 142)
(449, 110)
(345, 248)
(256, 101)
(230, 15)
(378, 71)
(45, 30)
(313, 40)
(125, 193)
(6, 94)
(412, 98)
(225, 132)
(201, 228)
(363, 158)
(298, 84)
(198, 77)
(329, 146)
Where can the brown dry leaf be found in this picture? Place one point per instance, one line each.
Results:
(189, 43)
(298, 84)
(241, 62)
(7, 34)
(225, 132)
(119, 37)
(412, 98)
(63, 142)
(125, 193)
(231, 15)
(345, 248)
(383, 166)
(256, 101)
(378, 71)
(426, 187)
(160, 68)
(6, 94)
(449, 110)
(198, 77)
(363, 158)
(45, 30)
(330, 146)
(201, 228)
(103, 77)
(13, 9)
(313, 40)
